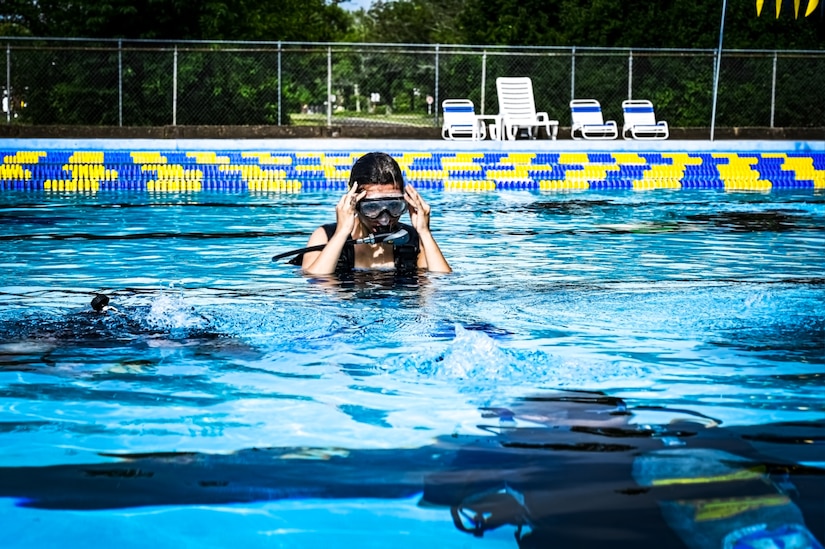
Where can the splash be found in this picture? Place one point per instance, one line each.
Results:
(475, 359)
(172, 314)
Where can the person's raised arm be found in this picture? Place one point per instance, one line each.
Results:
(430, 257)
(325, 261)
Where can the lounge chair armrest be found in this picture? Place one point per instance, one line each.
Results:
(552, 126)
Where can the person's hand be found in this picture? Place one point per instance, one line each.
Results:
(345, 212)
(419, 210)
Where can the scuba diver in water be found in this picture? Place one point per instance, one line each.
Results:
(45, 339)
(100, 304)
(367, 214)
(132, 320)
(102, 322)
(568, 469)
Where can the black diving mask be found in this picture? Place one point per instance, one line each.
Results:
(372, 208)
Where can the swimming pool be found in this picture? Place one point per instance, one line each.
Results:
(235, 402)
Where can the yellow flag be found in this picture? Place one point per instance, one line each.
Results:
(812, 4)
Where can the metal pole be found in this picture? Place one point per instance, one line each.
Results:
(483, 79)
(435, 93)
(573, 74)
(120, 82)
(630, 75)
(329, 86)
(279, 82)
(773, 89)
(175, 87)
(716, 71)
(8, 84)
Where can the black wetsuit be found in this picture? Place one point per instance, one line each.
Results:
(405, 256)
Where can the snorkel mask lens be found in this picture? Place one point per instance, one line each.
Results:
(374, 207)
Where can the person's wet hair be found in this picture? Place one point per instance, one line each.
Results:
(99, 302)
(377, 168)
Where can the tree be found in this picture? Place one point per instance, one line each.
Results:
(513, 22)
(409, 22)
(288, 20)
(635, 24)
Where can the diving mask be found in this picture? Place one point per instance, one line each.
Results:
(372, 208)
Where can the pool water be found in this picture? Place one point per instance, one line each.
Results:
(705, 302)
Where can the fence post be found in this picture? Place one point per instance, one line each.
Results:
(773, 89)
(436, 103)
(716, 71)
(120, 82)
(483, 78)
(630, 75)
(329, 86)
(279, 83)
(573, 73)
(175, 87)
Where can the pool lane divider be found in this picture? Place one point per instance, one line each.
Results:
(260, 171)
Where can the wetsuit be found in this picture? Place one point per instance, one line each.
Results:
(405, 256)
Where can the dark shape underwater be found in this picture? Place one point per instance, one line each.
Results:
(578, 475)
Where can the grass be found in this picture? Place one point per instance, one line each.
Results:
(363, 118)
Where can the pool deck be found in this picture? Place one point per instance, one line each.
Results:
(412, 145)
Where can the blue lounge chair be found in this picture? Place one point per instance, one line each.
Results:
(460, 121)
(640, 121)
(588, 122)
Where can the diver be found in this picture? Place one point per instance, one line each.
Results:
(100, 304)
(567, 469)
(366, 215)
(102, 323)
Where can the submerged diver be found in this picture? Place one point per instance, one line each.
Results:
(564, 470)
(373, 205)
(104, 324)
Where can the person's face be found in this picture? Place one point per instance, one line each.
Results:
(381, 208)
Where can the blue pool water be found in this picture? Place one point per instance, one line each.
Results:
(239, 388)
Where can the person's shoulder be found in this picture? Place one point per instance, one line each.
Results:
(329, 229)
(322, 234)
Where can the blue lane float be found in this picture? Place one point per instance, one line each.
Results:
(291, 171)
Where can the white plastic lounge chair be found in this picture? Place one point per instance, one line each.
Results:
(588, 122)
(640, 121)
(517, 109)
(460, 121)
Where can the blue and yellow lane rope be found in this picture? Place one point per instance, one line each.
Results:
(262, 171)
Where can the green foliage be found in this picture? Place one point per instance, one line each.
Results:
(512, 22)
(635, 24)
(594, 23)
(412, 22)
(241, 86)
(288, 20)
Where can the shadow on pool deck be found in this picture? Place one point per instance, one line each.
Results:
(357, 132)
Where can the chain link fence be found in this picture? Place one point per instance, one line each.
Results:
(143, 83)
